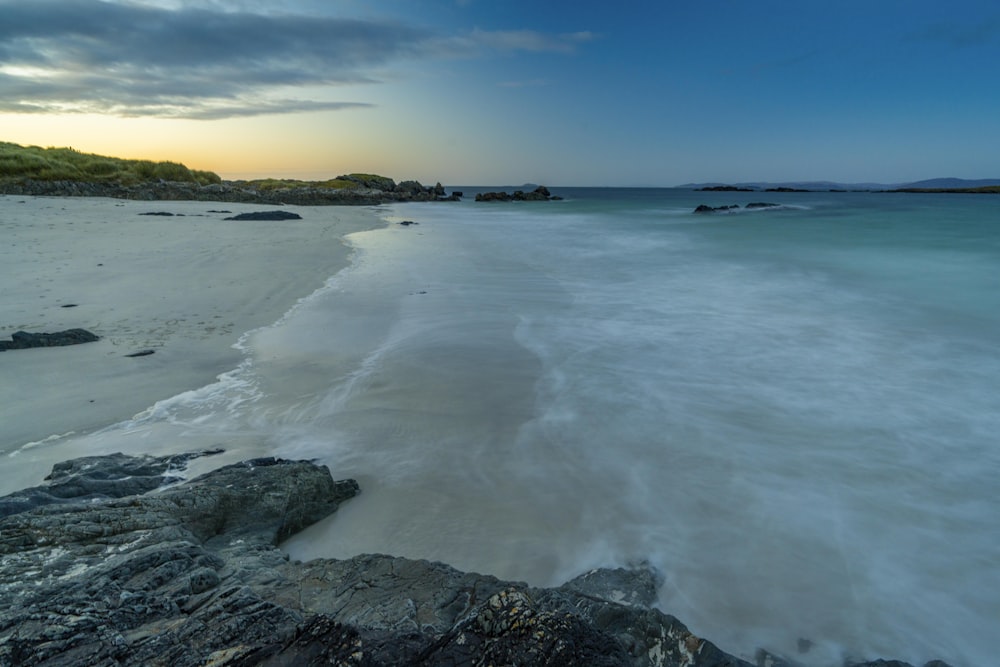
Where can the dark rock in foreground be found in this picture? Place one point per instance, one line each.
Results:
(190, 575)
(266, 215)
(22, 340)
(100, 478)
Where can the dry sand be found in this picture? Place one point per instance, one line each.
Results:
(186, 286)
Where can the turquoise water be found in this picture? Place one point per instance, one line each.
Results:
(791, 412)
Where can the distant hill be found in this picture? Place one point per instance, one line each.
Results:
(937, 183)
(795, 185)
(823, 186)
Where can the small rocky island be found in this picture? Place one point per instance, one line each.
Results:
(114, 562)
(541, 193)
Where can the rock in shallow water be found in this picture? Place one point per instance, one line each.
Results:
(190, 575)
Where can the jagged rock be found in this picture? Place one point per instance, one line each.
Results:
(100, 477)
(411, 188)
(266, 215)
(190, 575)
(22, 340)
(761, 204)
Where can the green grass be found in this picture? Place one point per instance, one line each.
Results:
(266, 184)
(66, 164)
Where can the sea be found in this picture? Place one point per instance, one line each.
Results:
(791, 412)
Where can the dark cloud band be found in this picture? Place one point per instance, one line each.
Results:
(134, 60)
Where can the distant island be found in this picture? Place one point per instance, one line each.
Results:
(934, 185)
(31, 170)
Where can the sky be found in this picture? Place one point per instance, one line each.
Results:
(640, 93)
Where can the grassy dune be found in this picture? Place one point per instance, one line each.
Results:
(67, 164)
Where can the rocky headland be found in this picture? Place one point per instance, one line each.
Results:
(354, 189)
(114, 562)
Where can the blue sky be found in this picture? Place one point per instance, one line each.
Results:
(470, 91)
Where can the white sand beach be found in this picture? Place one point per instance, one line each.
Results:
(185, 286)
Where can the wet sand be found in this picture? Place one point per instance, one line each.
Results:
(185, 286)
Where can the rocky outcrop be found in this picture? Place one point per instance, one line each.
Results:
(191, 575)
(541, 193)
(22, 340)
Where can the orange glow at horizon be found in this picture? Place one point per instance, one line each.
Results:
(236, 148)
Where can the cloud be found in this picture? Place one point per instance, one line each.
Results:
(128, 59)
(477, 41)
(179, 59)
(530, 40)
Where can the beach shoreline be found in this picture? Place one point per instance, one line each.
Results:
(185, 286)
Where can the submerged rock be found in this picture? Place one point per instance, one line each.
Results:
(704, 208)
(22, 340)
